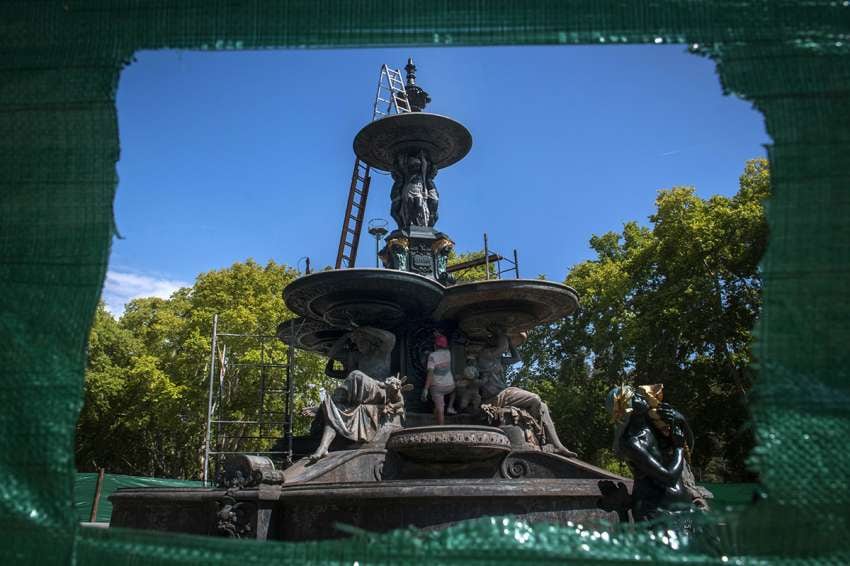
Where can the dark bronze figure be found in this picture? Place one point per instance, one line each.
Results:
(656, 459)
(432, 197)
(414, 196)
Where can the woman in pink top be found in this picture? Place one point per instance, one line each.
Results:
(440, 382)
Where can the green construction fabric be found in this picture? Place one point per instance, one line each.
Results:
(85, 485)
(60, 61)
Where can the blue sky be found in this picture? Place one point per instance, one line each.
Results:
(231, 155)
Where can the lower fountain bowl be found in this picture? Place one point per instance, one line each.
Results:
(449, 444)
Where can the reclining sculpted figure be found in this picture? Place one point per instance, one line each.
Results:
(367, 398)
(496, 393)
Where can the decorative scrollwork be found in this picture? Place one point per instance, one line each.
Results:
(513, 468)
(462, 436)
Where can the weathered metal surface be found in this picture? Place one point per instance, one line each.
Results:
(358, 465)
(247, 470)
(449, 444)
(446, 451)
(505, 305)
(445, 140)
(381, 298)
(312, 512)
(243, 513)
(309, 334)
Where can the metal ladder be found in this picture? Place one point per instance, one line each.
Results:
(390, 98)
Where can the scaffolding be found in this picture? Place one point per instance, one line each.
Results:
(488, 258)
(241, 366)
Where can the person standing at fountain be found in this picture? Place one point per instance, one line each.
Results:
(440, 382)
(496, 393)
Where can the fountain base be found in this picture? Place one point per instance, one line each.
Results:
(427, 477)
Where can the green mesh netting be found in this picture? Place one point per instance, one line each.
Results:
(59, 65)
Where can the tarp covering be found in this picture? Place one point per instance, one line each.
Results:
(59, 65)
(85, 484)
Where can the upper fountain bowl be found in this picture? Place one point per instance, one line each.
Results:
(445, 140)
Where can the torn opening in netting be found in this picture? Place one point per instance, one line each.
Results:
(58, 133)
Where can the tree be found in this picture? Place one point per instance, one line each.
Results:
(672, 303)
(478, 273)
(147, 376)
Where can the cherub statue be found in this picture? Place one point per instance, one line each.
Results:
(468, 388)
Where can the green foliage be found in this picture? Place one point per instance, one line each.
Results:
(147, 377)
(478, 273)
(673, 303)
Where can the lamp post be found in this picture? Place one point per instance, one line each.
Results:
(378, 228)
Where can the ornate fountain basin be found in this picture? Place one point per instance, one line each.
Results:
(309, 334)
(445, 140)
(505, 305)
(382, 298)
(449, 443)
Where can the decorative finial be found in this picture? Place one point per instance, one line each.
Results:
(411, 71)
(417, 97)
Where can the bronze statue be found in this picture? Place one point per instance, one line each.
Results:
(468, 388)
(432, 197)
(656, 457)
(366, 349)
(414, 196)
(367, 398)
(359, 408)
(498, 395)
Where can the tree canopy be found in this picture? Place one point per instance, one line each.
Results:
(674, 303)
(148, 373)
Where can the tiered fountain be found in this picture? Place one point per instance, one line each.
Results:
(409, 471)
